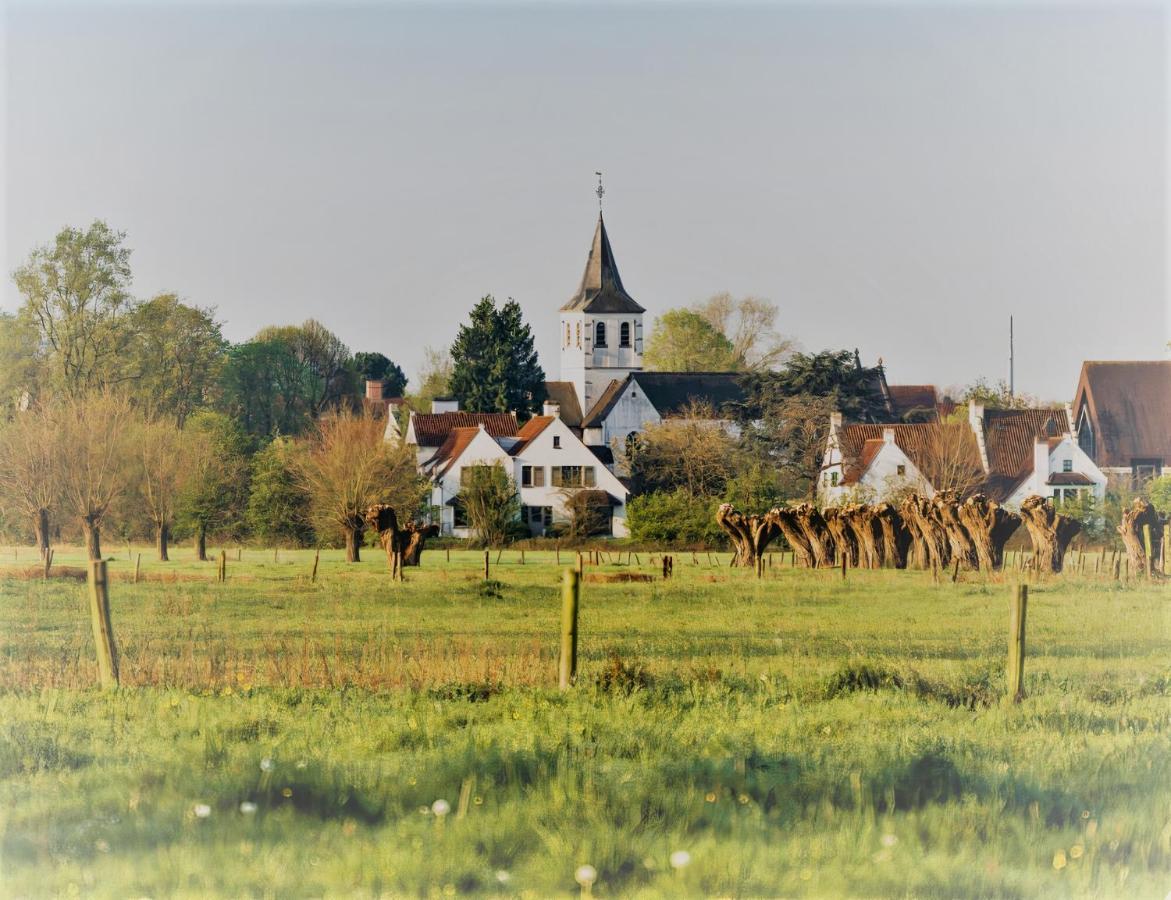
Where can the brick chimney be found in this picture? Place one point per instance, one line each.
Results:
(552, 408)
(375, 389)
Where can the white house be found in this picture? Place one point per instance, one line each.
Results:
(1011, 453)
(548, 462)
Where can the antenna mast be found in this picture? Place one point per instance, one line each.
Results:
(1011, 360)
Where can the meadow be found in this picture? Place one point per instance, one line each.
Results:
(798, 735)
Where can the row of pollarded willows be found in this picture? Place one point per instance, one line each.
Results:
(928, 533)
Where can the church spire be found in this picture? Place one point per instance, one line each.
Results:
(601, 289)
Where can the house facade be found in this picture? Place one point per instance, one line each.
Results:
(1122, 417)
(1007, 454)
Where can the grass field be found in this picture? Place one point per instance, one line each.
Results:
(796, 736)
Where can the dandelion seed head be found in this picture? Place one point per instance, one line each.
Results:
(586, 874)
(201, 810)
(266, 765)
(441, 807)
(247, 807)
(680, 858)
(889, 840)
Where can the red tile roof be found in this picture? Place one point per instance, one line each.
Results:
(1009, 436)
(921, 442)
(1129, 408)
(529, 431)
(1070, 478)
(449, 451)
(432, 429)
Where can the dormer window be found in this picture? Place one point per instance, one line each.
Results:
(556, 442)
(624, 334)
(600, 334)
(1067, 465)
(901, 470)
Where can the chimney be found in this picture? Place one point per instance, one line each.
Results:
(1040, 463)
(552, 408)
(835, 422)
(976, 415)
(888, 435)
(375, 389)
(444, 405)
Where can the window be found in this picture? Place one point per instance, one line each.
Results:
(600, 334)
(467, 473)
(624, 335)
(833, 479)
(1067, 465)
(556, 442)
(460, 515)
(579, 335)
(532, 476)
(901, 470)
(574, 476)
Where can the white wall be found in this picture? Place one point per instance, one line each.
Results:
(632, 412)
(592, 368)
(482, 451)
(1068, 449)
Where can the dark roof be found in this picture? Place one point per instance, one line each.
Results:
(1129, 405)
(920, 441)
(670, 392)
(909, 398)
(605, 403)
(1070, 478)
(601, 288)
(603, 453)
(454, 444)
(1009, 436)
(432, 429)
(564, 394)
(529, 431)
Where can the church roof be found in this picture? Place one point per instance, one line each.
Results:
(601, 288)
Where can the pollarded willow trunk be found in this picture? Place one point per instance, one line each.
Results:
(821, 543)
(1139, 514)
(41, 531)
(200, 541)
(750, 535)
(894, 534)
(920, 515)
(415, 537)
(92, 527)
(353, 531)
(1049, 531)
(990, 526)
(162, 537)
(864, 522)
(946, 505)
(845, 544)
(791, 530)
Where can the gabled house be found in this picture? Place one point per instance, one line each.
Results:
(1008, 454)
(427, 432)
(550, 464)
(1122, 416)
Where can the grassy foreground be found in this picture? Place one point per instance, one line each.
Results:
(798, 736)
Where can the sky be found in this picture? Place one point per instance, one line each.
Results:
(897, 178)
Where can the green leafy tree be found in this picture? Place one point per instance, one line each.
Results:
(1159, 493)
(495, 366)
(683, 340)
(491, 502)
(19, 350)
(215, 492)
(674, 518)
(434, 379)
(277, 501)
(76, 296)
(261, 387)
(995, 395)
(376, 367)
(329, 380)
(176, 355)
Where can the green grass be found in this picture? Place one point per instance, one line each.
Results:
(798, 736)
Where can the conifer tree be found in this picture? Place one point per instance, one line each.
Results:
(495, 363)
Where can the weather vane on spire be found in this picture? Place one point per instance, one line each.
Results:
(601, 191)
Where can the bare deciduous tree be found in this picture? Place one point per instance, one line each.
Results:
(347, 467)
(952, 461)
(30, 469)
(749, 324)
(161, 471)
(692, 451)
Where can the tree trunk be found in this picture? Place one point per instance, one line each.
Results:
(201, 542)
(162, 537)
(41, 530)
(1141, 513)
(750, 535)
(791, 529)
(894, 534)
(353, 543)
(1049, 531)
(990, 526)
(93, 537)
(946, 505)
(418, 534)
(821, 544)
(920, 515)
(845, 543)
(863, 521)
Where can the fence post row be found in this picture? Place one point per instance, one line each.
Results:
(99, 613)
(567, 664)
(1016, 644)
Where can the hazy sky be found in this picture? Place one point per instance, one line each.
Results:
(897, 178)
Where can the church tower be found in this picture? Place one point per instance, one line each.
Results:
(601, 327)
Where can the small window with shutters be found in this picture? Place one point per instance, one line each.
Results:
(600, 334)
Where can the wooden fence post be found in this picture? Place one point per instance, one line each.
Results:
(1147, 547)
(1016, 644)
(223, 566)
(570, 593)
(316, 560)
(845, 563)
(99, 613)
(760, 566)
(486, 561)
(522, 556)
(137, 567)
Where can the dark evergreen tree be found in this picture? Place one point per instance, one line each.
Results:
(378, 367)
(495, 364)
